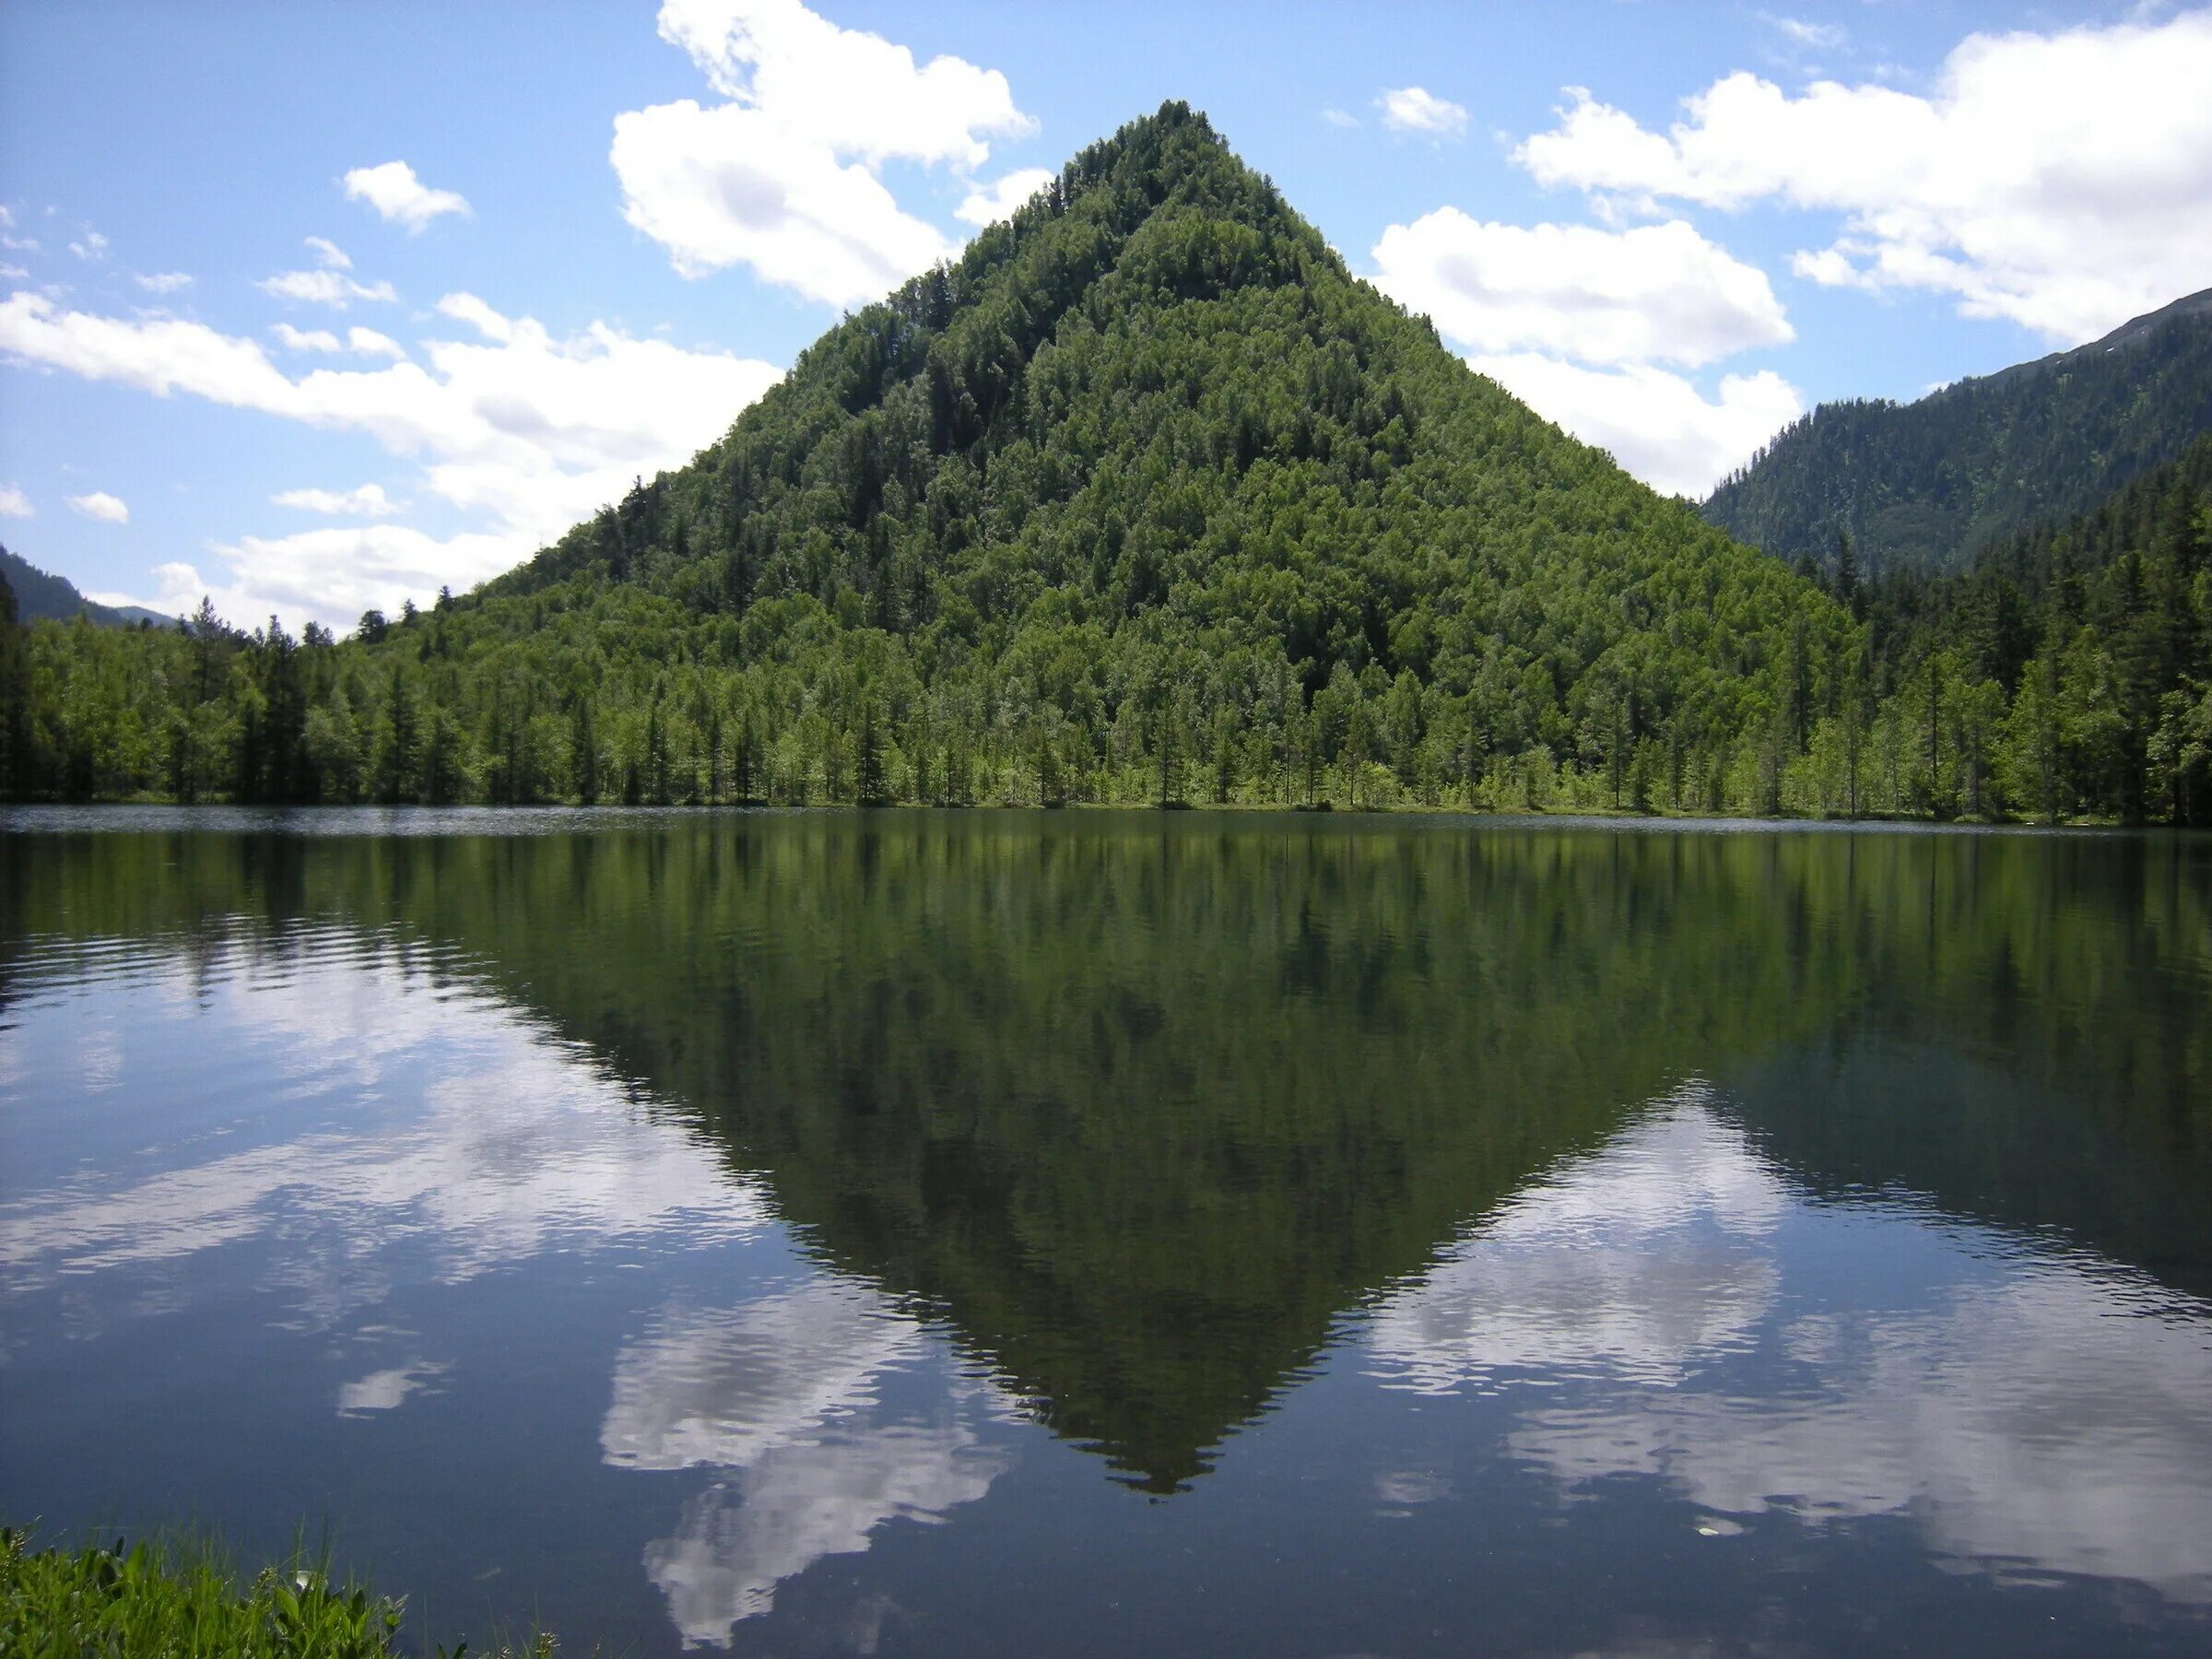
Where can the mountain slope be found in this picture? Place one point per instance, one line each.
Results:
(1157, 408)
(1145, 497)
(42, 596)
(1929, 484)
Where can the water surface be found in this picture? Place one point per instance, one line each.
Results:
(1090, 1232)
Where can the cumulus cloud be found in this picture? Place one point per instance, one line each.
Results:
(366, 342)
(12, 273)
(328, 253)
(1657, 424)
(366, 500)
(1578, 321)
(163, 282)
(854, 93)
(1658, 293)
(988, 204)
(784, 176)
(1417, 110)
(305, 339)
(399, 198)
(13, 503)
(94, 246)
(2046, 179)
(100, 505)
(325, 287)
(531, 431)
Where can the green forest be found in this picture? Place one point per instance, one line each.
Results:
(1145, 499)
(1934, 483)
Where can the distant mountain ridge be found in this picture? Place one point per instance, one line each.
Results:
(42, 597)
(1931, 484)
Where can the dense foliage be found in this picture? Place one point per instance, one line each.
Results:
(1146, 497)
(1930, 485)
(2066, 673)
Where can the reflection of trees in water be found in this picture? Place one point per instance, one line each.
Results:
(1144, 1105)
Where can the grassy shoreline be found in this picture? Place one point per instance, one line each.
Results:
(183, 1595)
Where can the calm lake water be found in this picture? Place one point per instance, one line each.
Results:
(1091, 1234)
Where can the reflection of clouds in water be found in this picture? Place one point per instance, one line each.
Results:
(517, 1145)
(802, 1501)
(784, 1392)
(1628, 1264)
(384, 1389)
(2026, 1409)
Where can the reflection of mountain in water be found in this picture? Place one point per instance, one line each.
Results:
(1144, 1105)
(1721, 1329)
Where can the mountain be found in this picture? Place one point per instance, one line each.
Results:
(1144, 497)
(40, 595)
(1930, 484)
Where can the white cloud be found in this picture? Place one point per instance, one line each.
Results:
(399, 196)
(988, 204)
(1657, 424)
(366, 342)
(13, 503)
(328, 254)
(1658, 293)
(100, 505)
(163, 282)
(784, 176)
(367, 500)
(1339, 118)
(468, 309)
(93, 247)
(531, 431)
(1417, 110)
(329, 287)
(2047, 179)
(362, 342)
(852, 92)
(1817, 37)
(305, 339)
(12, 273)
(723, 186)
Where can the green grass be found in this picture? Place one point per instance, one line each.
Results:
(173, 1598)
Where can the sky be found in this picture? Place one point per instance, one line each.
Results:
(315, 308)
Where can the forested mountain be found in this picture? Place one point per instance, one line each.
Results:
(2081, 649)
(1930, 484)
(42, 597)
(1143, 496)
(1147, 499)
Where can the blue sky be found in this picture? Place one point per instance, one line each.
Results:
(314, 308)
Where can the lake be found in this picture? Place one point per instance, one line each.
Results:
(1088, 1232)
